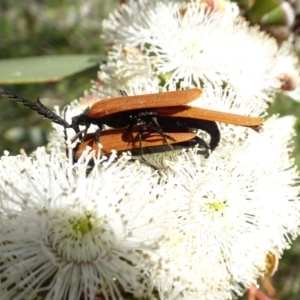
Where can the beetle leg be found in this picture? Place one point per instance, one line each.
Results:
(123, 93)
(140, 139)
(148, 128)
(130, 126)
(97, 135)
(78, 135)
(204, 144)
(158, 129)
(144, 128)
(65, 129)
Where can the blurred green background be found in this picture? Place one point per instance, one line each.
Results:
(51, 27)
(32, 28)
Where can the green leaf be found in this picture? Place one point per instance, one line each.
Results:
(260, 8)
(276, 16)
(40, 69)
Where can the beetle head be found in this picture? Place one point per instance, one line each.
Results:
(81, 119)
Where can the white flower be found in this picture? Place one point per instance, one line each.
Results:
(192, 44)
(124, 66)
(73, 236)
(215, 97)
(287, 68)
(233, 211)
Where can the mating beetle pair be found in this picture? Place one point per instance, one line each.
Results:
(165, 115)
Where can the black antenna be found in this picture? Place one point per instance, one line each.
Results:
(36, 105)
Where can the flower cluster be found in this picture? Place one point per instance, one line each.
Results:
(73, 235)
(173, 224)
(196, 43)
